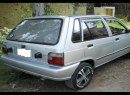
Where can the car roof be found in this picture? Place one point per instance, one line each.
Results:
(65, 16)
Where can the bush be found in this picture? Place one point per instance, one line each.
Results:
(3, 33)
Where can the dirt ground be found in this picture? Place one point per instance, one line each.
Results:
(111, 77)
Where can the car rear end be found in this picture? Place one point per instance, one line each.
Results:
(36, 46)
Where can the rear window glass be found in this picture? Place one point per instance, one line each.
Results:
(43, 31)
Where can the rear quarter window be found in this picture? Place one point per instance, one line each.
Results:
(76, 36)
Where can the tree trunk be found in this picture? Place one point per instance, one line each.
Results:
(37, 9)
(75, 8)
(90, 8)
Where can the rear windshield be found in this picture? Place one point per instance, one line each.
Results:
(42, 31)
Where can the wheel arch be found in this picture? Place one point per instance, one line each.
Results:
(90, 61)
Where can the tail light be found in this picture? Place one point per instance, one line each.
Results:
(4, 49)
(56, 58)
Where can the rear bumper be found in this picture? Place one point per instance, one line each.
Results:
(43, 70)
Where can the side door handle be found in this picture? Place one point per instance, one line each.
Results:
(117, 39)
(90, 45)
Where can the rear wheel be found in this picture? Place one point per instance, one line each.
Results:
(81, 77)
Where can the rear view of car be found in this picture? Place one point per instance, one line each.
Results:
(33, 46)
(33, 34)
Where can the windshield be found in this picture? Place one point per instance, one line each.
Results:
(44, 31)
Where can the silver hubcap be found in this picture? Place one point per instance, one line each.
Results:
(83, 77)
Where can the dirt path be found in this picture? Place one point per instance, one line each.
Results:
(112, 77)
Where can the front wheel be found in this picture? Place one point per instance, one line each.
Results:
(81, 77)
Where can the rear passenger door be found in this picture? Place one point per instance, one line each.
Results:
(98, 45)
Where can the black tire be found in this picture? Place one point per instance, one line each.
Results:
(83, 74)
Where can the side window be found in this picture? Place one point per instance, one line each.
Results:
(76, 37)
(86, 32)
(115, 27)
(97, 29)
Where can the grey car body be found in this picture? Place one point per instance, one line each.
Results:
(69, 41)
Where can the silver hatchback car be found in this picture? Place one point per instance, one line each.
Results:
(65, 48)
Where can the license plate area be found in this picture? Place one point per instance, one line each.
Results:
(24, 52)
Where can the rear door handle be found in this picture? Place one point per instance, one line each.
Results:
(90, 45)
(117, 39)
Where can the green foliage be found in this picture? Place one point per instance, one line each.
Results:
(120, 16)
(27, 9)
(89, 5)
(12, 14)
(100, 14)
(50, 11)
(3, 33)
(5, 72)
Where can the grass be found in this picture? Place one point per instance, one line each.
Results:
(5, 74)
(13, 80)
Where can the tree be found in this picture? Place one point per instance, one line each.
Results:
(37, 9)
(75, 7)
(90, 8)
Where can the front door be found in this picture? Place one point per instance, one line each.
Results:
(120, 37)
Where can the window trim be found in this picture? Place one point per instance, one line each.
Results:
(73, 31)
(88, 31)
